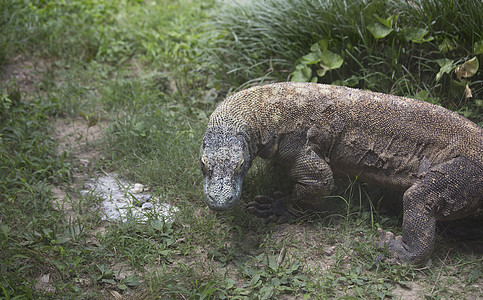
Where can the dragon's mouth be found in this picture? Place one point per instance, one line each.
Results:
(216, 206)
(221, 197)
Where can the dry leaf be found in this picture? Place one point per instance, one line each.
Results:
(115, 294)
(468, 92)
(467, 69)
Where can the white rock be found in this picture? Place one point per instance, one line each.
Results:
(119, 202)
(138, 188)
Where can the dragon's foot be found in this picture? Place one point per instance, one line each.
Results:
(270, 209)
(393, 244)
(400, 251)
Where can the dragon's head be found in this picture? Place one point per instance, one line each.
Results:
(225, 159)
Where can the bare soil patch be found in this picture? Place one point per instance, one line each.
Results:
(26, 72)
(74, 136)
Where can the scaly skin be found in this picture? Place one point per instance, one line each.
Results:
(319, 131)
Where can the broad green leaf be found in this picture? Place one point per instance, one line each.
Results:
(157, 224)
(108, 281)
(416, 35)
(387, 22)
(467, 69)
(266, 292)
(350, 81)
(294, 267)
(139, 126)
(302, 73)
(444, 62)
(378, 30)
(457, 87)
(311, 58)
(446, 45)
(446, 66)
(331, 60)
(272, 263)
(255, 281)
(321, 72)
(422, 95)
(321, 46)
(478, 48)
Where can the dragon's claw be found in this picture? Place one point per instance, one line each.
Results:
(270, 209)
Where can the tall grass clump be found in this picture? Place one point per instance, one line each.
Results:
(412, 48)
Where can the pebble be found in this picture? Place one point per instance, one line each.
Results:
(138, 188)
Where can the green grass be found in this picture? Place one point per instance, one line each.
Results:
(30, 227)
(149, 73)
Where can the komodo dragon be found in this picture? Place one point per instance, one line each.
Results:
(318, 131)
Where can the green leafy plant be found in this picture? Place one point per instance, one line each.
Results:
(383, 27)
(324, 59)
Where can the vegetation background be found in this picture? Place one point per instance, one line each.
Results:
(144, 76)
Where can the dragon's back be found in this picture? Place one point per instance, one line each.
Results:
(284, 108)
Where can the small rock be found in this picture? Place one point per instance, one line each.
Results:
(43, 283)
(84, 162)
(330, 250)
(44, 278)
(138, 188)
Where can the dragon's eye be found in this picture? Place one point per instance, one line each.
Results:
(240, 164)
(204, 164)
